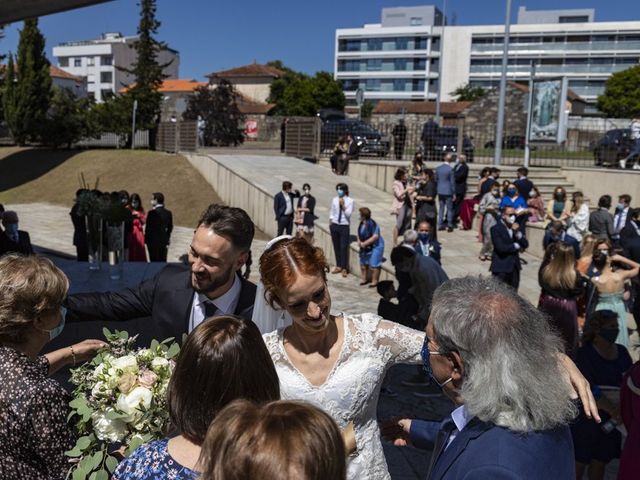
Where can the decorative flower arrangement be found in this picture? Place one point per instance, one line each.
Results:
(120, 402)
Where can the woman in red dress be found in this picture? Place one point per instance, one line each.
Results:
(137, 252)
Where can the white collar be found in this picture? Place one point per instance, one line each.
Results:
(158, 205)
(224, 302)
(460, 417)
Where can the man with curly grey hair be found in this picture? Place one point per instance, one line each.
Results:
(496, 357)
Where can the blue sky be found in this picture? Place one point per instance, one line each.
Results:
(215, 35)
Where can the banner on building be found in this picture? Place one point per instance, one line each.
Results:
(251, 128)
(548, 117)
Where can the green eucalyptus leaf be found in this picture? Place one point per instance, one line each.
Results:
(106, 332)
(174, 349)
(83, 442)
(111, 463)
(102, 475)
(79, 474)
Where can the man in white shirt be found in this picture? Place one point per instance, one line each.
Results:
(340, 219)
(635, 145)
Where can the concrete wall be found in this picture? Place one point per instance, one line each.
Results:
(595, 182)
(258, 203)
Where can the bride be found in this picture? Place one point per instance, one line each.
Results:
(336, 362)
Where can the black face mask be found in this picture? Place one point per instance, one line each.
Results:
(609, 334)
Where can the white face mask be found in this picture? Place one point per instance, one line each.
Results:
(511, 219)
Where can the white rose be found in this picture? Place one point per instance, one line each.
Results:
(98, 389)
(159, 363)
(129, 403)
(108, 430)
(144, 354)
(98, 371)
(128, 362)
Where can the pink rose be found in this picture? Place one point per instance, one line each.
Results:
(147, 378)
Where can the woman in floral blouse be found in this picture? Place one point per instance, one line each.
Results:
(33, 408)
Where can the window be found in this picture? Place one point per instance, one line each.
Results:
(91, 78)
(90, 61)
(77, 62)
(106, 60)
(415, 21)
(63, 61)
(574, 19)
(106, 77)
(420, 43)
(106, 94)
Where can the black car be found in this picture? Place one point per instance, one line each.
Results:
(369, 140)
(446, 141)
(509, 142)
(615, 145)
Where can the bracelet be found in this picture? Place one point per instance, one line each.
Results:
(73, 355)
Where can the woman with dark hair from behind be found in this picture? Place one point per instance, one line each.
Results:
(561, 286)
(137, 251)
(609, 284)
(222, 360)
(281, 440)
(305, 217)
(602, 362)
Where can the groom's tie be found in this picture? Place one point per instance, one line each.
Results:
(209, 309)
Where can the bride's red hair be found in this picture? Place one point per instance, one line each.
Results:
(284, 261)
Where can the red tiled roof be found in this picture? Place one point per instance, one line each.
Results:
(251, 70)
(59, 73)
(176, 86)
(428, 108)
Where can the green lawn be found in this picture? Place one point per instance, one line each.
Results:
(53, 176)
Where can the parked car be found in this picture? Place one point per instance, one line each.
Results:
(447, 142)
(369, 140)
(615, 145)
(509, 142)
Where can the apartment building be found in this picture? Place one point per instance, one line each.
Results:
(97, 61)
(560, 42)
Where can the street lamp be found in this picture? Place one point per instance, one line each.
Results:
(442, 23)
(503, 87)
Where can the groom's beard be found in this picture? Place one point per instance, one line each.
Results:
(206, 284)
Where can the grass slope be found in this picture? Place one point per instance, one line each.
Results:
(52, 176)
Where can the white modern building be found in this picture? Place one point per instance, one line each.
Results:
(97, 60)
(560, 42)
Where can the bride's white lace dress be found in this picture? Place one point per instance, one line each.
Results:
(350, 392)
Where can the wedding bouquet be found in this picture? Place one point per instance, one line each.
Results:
(120, 401)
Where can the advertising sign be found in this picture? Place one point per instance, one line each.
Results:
(251, 128)
(548, 119)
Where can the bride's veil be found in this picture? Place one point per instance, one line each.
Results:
(264, 316)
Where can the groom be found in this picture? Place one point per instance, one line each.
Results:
(179, 298)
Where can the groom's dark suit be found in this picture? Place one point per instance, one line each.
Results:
(166, 298)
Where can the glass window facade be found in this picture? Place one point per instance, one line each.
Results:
(555, 65)
(382, 65)
(384, 85)
(382, 44)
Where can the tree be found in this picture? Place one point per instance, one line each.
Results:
(28, 90)
(298, 94)
(146, 69)
(468, 93)
(621, 97)
(219, 109)
(68, 119)
(366, 109)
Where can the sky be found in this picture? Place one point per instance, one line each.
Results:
(213, 35)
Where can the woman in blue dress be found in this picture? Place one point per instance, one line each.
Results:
(371, 248)
(222, 360)
(513, 199)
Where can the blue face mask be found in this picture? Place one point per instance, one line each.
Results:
(58, 330)
(511, 192)
(423, 236)
(340, 193)
(11, 229)
(426, 363)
